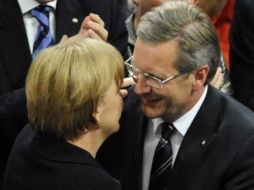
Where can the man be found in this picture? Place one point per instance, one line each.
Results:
(213, 9)
(212, 143)
(241, 52)
(17, 35)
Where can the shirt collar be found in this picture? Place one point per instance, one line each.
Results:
(27, 5)
(155, 125)
(183, 123)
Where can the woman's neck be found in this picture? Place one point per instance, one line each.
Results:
(90, 141)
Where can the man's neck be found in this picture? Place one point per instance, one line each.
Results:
(27, 5)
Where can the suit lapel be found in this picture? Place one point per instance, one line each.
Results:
(133, 125)
(68, 18)
(144, 123)
(13, 37)
(196, 143)
(135, 147)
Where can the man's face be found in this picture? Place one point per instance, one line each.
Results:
(174, 98)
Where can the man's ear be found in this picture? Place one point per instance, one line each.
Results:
(200, 77)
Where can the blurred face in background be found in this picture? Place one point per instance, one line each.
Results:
(211, 7)
(142, 6)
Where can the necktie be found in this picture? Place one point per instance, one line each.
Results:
(162, 161)
(43, 38)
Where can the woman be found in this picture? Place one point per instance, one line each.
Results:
(74, 103)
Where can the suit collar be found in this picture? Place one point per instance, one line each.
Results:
(132, 117)
(60, 151)
(12, 31)
(196, 142)
(27, 5)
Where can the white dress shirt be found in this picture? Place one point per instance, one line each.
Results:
(31, 23)
(153, 135)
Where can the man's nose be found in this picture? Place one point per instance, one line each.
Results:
(141, 86)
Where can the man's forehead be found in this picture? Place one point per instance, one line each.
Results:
(161, 52)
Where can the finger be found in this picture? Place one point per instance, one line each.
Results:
(84, 26)
(64, 38)
(127, 82)
(98, 29)
(96, 18)
(123, 93)
(92, 34)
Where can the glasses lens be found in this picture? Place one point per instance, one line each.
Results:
(152, 82)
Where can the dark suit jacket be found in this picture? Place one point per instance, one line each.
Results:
(217, 152)
(40, 162)
(15, 56)
(241, 52)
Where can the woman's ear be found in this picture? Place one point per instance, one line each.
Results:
(97, 113)
(96, 116)
(200, 77)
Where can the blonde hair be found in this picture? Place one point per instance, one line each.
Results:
(65, 83)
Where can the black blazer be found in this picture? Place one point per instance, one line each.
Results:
(40, 162)
(15, 56)
(217, 152)
(241, 52)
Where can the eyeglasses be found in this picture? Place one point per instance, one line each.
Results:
(151, 79)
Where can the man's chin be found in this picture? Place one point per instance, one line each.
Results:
(150, 112)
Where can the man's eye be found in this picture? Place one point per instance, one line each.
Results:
(153, 77)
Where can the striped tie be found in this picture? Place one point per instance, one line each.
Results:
(162, 161)
(43, 38)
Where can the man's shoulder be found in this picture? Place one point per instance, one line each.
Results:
(234, 116)
(223, 107)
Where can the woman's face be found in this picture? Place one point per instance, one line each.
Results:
(109, 109)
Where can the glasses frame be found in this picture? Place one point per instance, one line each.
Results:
(131, 67)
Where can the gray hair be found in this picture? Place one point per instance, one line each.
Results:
(190, 27)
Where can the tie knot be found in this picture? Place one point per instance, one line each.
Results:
(43, 38)
(44, 8)
(167, 130)
(41, 12)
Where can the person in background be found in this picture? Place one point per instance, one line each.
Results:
(126, 7)
(177, 132)
(221, 14)
(74, 103)
(18, 29)
(241, 53)
(221, 78)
